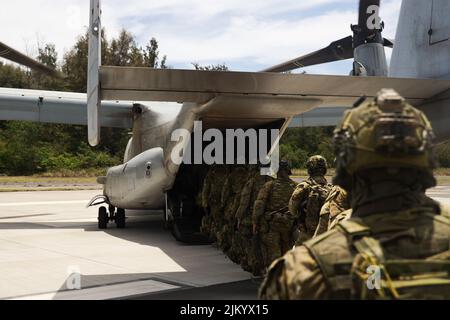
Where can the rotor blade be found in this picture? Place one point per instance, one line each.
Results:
(388, 43)
(15, 56)
(338, 50)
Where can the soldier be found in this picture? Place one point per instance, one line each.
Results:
(212, 199)
(336, 203)
(385, 159)
(309, 197)
(230, 200)
(271, 220)
(205, 227)
(251, 259)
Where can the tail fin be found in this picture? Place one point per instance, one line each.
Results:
(422, 44)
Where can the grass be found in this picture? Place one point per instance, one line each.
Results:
(90, 177)
(44, 179)
(442, 175)
(48, 189)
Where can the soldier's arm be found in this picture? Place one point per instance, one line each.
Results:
(206, 191)
(260, 203)
(244, 202)
(324, 220)
(297, 198)
(225, 190)
(295, 204)
(295, 276)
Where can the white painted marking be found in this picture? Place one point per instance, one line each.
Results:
(41, 203)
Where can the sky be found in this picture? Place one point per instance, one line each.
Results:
(245, 35)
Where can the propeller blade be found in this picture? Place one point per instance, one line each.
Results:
(338, 50)
(15, 56)
(388, 43)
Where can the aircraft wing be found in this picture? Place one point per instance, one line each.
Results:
(70, 108)
(59, 107)
(228, 99)
(249, 99)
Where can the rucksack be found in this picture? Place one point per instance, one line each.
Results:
(375, 278)
(316, 199)
(355, 266)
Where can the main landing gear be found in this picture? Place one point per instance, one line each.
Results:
(105, 216)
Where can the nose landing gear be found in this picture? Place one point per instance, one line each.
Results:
(104, 217)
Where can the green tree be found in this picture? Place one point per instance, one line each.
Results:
(27, 148)
(298, 144)
(212, 67)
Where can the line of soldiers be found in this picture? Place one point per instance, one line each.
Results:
(394, 242)
(255, 219)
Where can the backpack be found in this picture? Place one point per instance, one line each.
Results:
(355, 266)
(317, 196)
(375, 278)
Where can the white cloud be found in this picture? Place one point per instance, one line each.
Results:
(249, 35)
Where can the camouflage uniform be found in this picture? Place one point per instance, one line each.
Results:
(230, 201)
(308, 198)
(385, 159)
(271, 220)
(333, 210)
(212, 199)
(205, 227)
(251, 259)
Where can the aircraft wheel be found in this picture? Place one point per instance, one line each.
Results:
(120, 218)
(103, 218)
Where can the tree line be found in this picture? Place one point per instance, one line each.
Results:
(33, 148)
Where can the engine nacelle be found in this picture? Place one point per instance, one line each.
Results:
(140, 183)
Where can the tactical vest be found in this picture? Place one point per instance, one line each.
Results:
(401, 255)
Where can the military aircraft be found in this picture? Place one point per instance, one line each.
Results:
(156, 102)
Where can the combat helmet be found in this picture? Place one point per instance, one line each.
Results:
(384, 133)
(317, 165)
(285, 166)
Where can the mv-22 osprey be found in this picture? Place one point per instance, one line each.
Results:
(175, 99)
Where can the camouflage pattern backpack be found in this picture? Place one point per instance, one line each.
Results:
(375, 277)
(317, 196)
(357, 265)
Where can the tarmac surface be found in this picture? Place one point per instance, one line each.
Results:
(50, 248)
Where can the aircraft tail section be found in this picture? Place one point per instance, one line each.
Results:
(422, 44)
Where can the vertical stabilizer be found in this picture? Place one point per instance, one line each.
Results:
(422, 44)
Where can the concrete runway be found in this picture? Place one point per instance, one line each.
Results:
(48, 238)
(50, 244)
